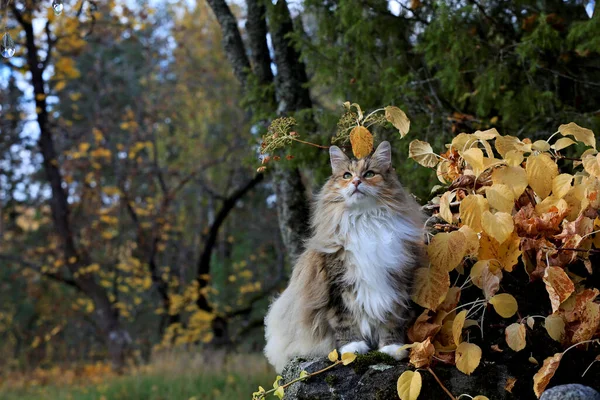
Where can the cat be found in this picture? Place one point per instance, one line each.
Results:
(350, 288)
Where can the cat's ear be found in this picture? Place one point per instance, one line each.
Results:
(383, 155)
(338, 158)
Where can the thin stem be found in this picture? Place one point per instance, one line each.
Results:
(466, 304)
(440, 383)
(551, 136)
(311, 144)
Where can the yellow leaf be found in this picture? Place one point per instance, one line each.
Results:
(540, 145)
(541, 170)
(500, 226)
(471, 210)
(591, 164)
(561, 185)
(471, 240)
(500, 197)
(558, 286)
(514, 158)
(488, 134)
(555, 326)
(514, 177)
(333, 356)
(409, 385)
(480, 397)
(446, 250)
(457, 326)
(542, 378)
(550, 202)
(504, 144)
(361, 141)
(445, 211)
(398, 118)
(515, 336)
(583, 135)
(474, 157)
(463, 141)
(279, 392)
(430, 287)
(468, 356)
(303, 374)
(347, 358)
(504, 304)
(422, 153)
(562, 143)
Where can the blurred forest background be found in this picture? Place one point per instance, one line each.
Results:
(133, 224)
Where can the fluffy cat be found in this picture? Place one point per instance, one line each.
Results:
(350, 288)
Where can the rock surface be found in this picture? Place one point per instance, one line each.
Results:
(374, 376)
(571, 392)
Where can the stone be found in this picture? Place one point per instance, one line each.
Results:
(373, 376)
(572, 391)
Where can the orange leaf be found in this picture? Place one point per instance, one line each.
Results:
(361, 141)
(543, 376)
(430, 287)
(590, 320)
(422, 353)
(558, 285)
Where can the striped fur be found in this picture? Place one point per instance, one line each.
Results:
(350, 288)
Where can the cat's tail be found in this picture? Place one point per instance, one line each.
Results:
(286, 334)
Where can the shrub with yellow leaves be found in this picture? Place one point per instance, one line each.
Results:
(514, 223)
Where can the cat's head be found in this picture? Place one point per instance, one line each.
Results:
(364, 181)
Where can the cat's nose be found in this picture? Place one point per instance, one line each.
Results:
(356, 182)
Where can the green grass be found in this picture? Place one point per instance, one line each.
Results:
(169, 380)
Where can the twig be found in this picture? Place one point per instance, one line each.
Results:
(311, 144)
(440, 383)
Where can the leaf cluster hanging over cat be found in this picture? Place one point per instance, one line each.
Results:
(503, 203)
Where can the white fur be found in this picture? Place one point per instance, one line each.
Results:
(392, 350)
(355, 347)
(374, 242)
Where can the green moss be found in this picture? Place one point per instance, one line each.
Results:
(331, 380)
(364, 361)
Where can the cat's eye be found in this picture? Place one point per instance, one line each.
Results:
(347, 175)
(369, 174)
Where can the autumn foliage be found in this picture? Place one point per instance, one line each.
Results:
(503, 204)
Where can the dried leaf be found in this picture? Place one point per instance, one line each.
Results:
(555, 326)
(541, 170)
(513, 177)
(510, 383)
(558, 286)
(500, 226)
(532, 360)
(590, 320)
(583, 135)
(422, 353)
(515, 336)
(474, 157)
(446, 250)
(471, 210)
(424, 327)
(542, 378)
(504, 144)
(486, 275)
(507, 253)
(422, 153)
(530, 322)
(398, 118)
(409, 385)
(362, 141)
(457, 326)
(540, 145)
(500, 197)
(561, 185)
(504, 304)
(468, 356)
(430, 287)
(591, 164)
(562, 143)
(451, 300)
(445, 211)
(471, 240)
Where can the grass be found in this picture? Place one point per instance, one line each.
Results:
(174, 376)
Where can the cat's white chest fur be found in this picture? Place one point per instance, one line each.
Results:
(375, 247)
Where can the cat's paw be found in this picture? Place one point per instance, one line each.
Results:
(392, 350)
(355, 347)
